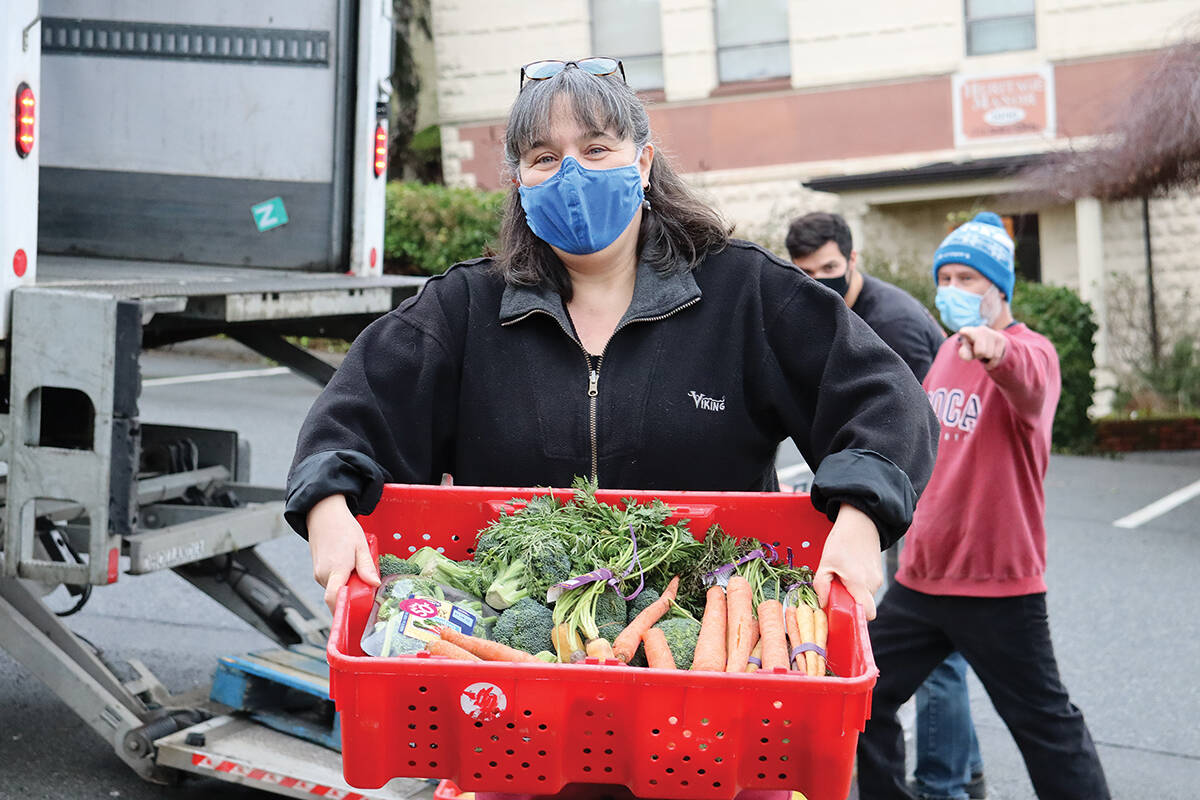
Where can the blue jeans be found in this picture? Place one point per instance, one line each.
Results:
(947, 750)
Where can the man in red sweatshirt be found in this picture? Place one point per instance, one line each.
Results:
(971, 575)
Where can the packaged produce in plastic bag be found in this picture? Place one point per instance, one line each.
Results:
(408, 611)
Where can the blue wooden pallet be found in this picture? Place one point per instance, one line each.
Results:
(287, 690)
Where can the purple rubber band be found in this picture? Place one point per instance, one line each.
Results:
(636, 561)
(601, 575)
(808, 647)
(719, 571)
(755, 660)
(557, 590)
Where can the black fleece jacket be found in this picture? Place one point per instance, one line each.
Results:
(707, 372)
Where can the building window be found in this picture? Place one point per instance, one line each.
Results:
(752, 40)
(630, 30)
(998, 26)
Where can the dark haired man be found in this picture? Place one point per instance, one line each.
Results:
(820, 244)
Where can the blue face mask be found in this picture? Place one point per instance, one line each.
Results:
(581, 210)
(959, 308)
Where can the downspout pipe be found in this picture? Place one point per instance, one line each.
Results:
(1151, 305)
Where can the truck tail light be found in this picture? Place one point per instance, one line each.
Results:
(26, 109)
(380, 149)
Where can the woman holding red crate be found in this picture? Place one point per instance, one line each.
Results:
(619, 334)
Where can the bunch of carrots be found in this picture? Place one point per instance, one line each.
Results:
(733, 639)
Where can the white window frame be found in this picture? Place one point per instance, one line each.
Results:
(967, 25)
(786, 40)
(628, 58)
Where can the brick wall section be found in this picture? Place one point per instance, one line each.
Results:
(787, 128)
(1089, 94)
(1125, 436)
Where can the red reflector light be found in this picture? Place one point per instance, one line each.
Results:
(380, 149)
(26, 109)
(20, 263)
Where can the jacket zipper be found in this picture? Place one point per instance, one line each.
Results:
(594, 374)
(593, 393)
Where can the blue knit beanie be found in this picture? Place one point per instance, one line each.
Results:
(983, 244)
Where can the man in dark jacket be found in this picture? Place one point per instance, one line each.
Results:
(820, 244)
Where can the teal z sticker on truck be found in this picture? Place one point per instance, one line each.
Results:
(269, 214)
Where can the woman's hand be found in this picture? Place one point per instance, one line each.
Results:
(338, 547)
(852, 553)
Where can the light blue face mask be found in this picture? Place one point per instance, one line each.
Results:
(959, 308)
(581, 210)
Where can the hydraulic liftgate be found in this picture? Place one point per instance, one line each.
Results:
(91, 487)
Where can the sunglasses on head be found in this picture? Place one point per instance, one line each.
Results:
(596, 65)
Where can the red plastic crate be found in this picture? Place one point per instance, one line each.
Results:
(447, 790)
(534, 728)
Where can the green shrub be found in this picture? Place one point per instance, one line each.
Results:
(1057, 313)
(429, 227)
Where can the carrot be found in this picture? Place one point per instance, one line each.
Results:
(710, 646)
(626, 643)
(774, 640)
(600, 648)
(804, 616)
(821, 636)
(755, 660)
(741, 629)
(793, 632)
(440, 647)
(485, 649)
(658, 653)
(567, 643)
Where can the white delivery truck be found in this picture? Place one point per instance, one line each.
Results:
(171, 171)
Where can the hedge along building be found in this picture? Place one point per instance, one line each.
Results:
(895, 114)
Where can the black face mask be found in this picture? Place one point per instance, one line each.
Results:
(840, 284)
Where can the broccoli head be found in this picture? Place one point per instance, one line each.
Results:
(638, 604)
(525, 625)
(546, 564)
(681, 634)
(390, 564)
(489, 540)
(468, 577)
(610, 614)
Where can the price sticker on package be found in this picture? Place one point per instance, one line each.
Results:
(421, 617)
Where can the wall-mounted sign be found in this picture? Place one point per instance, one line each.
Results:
(1014, 105)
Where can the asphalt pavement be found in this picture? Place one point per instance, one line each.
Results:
(1118, 601)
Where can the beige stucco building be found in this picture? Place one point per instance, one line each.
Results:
(896, 114)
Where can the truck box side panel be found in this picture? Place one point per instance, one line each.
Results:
(165, 125)
(181, 218)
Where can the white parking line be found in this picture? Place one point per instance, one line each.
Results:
(1159, 507)
(217, 376)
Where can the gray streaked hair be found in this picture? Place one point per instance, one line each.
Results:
(676, 233)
